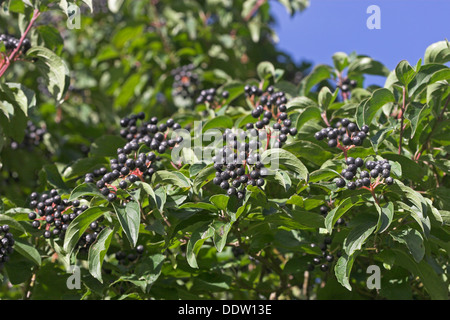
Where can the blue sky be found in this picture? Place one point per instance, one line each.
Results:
(408, 27)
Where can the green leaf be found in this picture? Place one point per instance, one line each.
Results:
(82, 166)
(51, 174)
(441, 75)
(79, 225)
(161, 198)
(106, 146)
(221, 230)
(343, 269)
(195, 168)
(366, 65)
(98, 251)
(420, 206)
(254, 25)
(220, 201)
(318, 74)
(307, 218)
(432, 282)
(412, 239)
(274, 157)
(114, 5)
(438, 52)
(89, 4)
(404, 72)
(218, 122)
(130, 218)
(17, 6)
(199, 205)
(414, 113)
(358, 236)
(203, 177)
(300, 103)
(308, 114)
(309, 151)
(4, 219)
(173, 177)
(325, 98)
(146, 272)
(201, 232)
(386, 214)
(340, 61)
(339, 211)
(51, 37)
(28, 252)
(53, 69)
(20, 96)
(423, 78)
(85, 189)
(409, 168)
(147, 189)
(323, 174)
(368, 108)
(283, 179)
(265, 70)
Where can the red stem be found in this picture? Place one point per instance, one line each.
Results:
(402, 114)
(13, 54)
(254, 9)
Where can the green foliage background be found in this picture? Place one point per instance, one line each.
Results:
(120, 61)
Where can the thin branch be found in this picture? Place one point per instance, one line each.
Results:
(14, 53)
(402, 119)
(255, 8)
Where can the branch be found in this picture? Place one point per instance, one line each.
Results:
(255, 8)
(402, 115)
(14, 53)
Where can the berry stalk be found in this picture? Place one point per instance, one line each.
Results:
(12, 56)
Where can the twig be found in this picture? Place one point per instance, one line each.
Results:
(29, 285)
(12, 56)
(254, 9)
(402, 118)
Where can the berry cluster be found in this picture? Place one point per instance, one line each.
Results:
(124, 257)
(325, 259)
(252, 91)
(378, 172)
(11, 43)
(238, 164)
(347, 85)
(271, 106)
(344, 135)
(136, 160)
(212, 98)
(53, 212)
(91, 234)
(33, 137)
(185, 81)
(6, 244)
